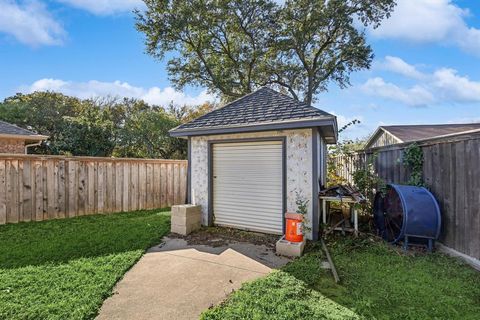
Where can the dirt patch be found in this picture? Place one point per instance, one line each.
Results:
(217, 237)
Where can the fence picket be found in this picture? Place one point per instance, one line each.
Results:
(48, 187)
(452, 172)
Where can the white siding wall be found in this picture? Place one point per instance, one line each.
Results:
(299, 166)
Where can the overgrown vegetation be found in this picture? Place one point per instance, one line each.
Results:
(64, 269)
(413, 160)
(377, 282)
(100, 127)
(302, 208)
(342, 148)
(368, 183)
(365, 179)
(302, 204)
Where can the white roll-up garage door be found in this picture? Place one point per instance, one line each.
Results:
(247, 185)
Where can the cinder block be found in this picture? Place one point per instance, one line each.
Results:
(185, 210)
(290, 249)
(185, 219)
(188, 219)
(184, 230)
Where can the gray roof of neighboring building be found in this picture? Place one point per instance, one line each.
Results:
(11, 129)
(264, 107)
(409, 133)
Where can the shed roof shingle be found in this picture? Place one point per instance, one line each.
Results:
(263, 106)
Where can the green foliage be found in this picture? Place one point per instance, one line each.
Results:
(302, 208)
(100, 127)
(43, 112)
(344, 147)
(369, 183)
(145, 135)
(413, 160)
(89, 133)
(220, 43)
(333, 178)
(377, 282)
(64, 269)
(233, 47)
(366, 180)
(185, 113)
(302, 204)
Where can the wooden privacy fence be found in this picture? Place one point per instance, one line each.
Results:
(451, 170)
(48, 187)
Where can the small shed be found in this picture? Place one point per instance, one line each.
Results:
(14, 139)
(249, 159)
(396, 134)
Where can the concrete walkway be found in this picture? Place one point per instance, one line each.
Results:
(178, 281)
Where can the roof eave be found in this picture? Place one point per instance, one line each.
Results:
(33, 137)
(259, 127)
(335, 131)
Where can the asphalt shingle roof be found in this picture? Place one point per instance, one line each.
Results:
(263, 106)
(8, 128)
(410, 133)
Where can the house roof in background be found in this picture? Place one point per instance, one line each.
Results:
(411, 133)
(262, 109)
(8, 129)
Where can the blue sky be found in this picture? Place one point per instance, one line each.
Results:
(426, 67)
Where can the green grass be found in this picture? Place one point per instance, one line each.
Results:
(378, 282)
(64, 269)
(278, 296)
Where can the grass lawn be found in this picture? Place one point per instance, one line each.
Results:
(378, 282)
(64, 269)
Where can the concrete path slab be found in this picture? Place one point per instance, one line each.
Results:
(179, 281)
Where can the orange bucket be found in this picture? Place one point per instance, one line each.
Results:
(293, 227)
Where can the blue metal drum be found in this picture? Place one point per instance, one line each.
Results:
(407, 213)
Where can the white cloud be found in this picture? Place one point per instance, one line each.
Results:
(397, 65)
(415, 96)
(454, 87)
(104, 7)
(156, 95)
(30, 23)
(470, 40)
(94, 88)
(443, 85)
(430, 21)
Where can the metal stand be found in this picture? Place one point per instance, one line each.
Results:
(430, 243)
(405, 243)
(336, 227)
